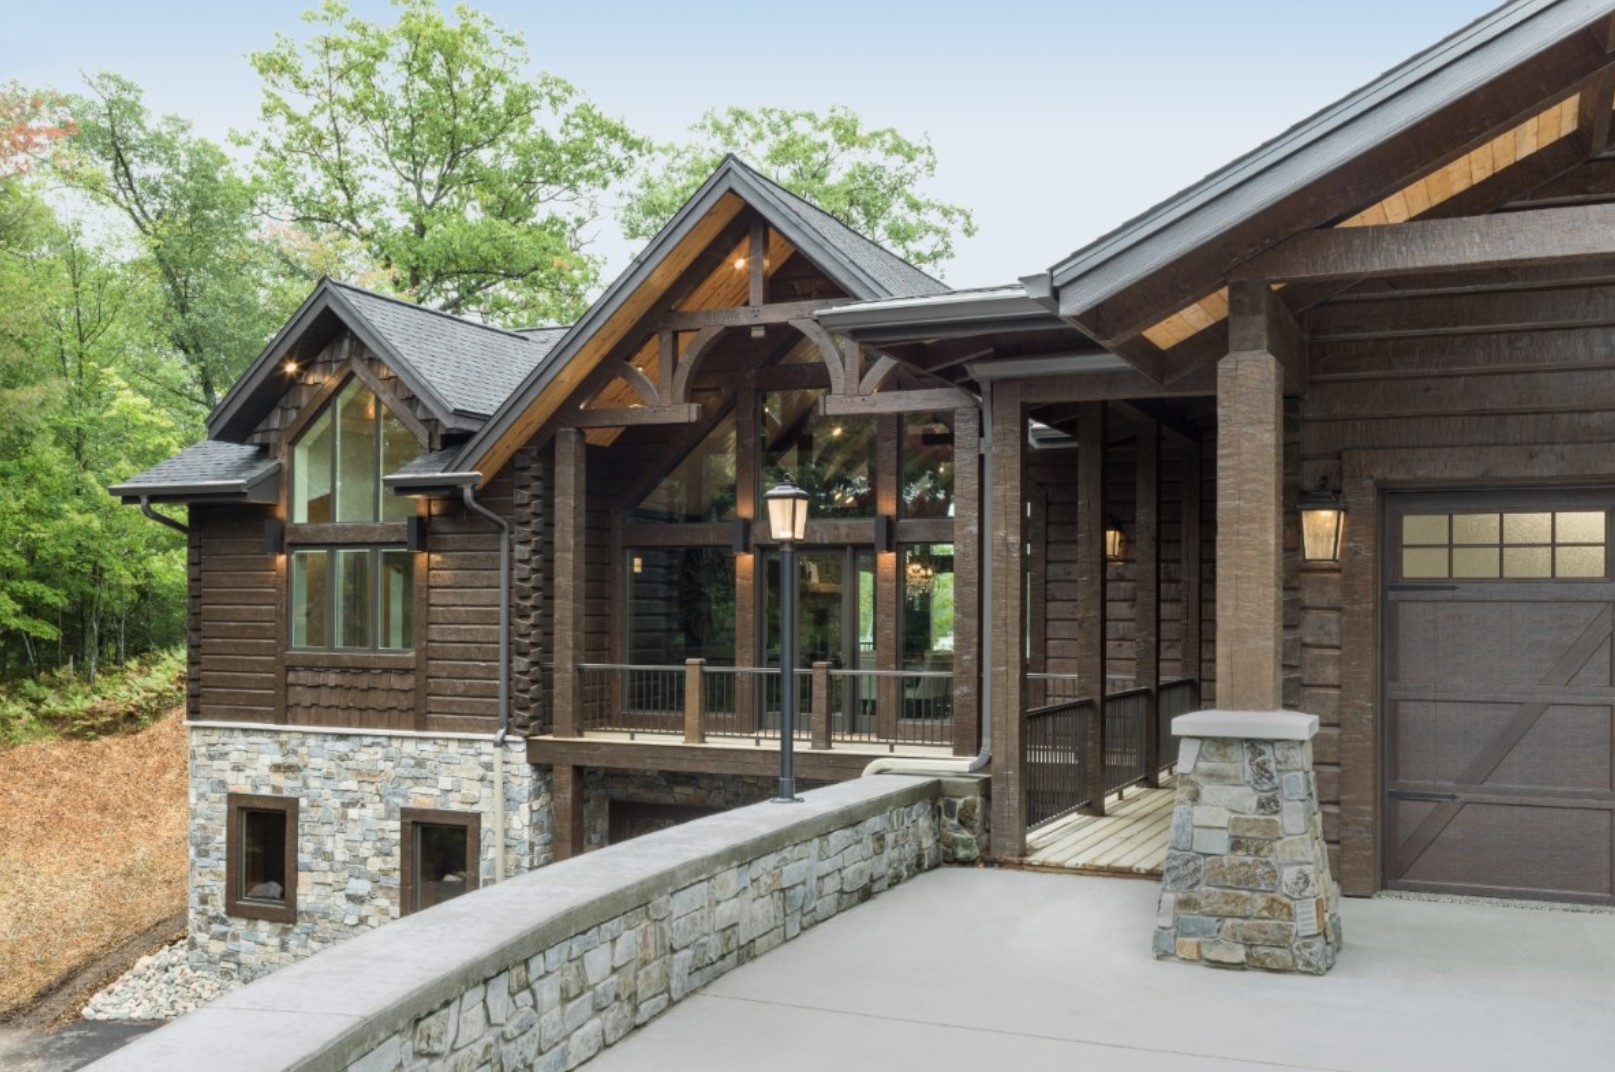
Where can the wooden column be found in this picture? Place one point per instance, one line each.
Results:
(747, 590)
(1091, 592)
(571, 579)
(1250, 503)
(819, 710)
(1147, 591)
(1006, 670)
(695, 702)
(566, 793)
(888, 589)
(1190, 549)
(967, 608)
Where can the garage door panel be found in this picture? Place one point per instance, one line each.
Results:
(1499, 701)
(1496, 643)
(1435, 742)
(1507, 848)
(1568, 748)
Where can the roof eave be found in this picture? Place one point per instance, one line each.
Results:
(261, 488)
(1452, 69)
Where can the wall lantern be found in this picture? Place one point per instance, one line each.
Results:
(885, 533)
(415, 530)
(1113, 540)
(787, 512)
(274, 536)
(1323, 519)
(740, 536)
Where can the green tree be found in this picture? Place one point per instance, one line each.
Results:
(426, 145)
(194, 219)
(869, 179)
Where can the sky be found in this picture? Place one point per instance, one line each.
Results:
(1053, 120)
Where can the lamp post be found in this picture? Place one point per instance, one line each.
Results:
(787, 520)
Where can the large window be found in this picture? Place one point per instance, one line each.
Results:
(361, 596)
(928, 465)
(832, 458)
(340, 458)
(927, 623)
(261, 857)
(439, 856)
(701, 487)
(681, 605)
(353, 597)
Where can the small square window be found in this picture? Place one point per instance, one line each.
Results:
(439, 857)
(261, 857)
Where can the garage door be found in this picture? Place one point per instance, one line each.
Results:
(1499, 615)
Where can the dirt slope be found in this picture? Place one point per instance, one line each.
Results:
(92, 851)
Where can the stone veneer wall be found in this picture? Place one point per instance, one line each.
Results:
(542, 971)
(350, 788)
(1247, 881)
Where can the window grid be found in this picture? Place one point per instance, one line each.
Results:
(1505, 545)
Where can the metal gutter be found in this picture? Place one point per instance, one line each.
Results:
(161, 519)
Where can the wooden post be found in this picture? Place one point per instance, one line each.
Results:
(888, 585)
(820, 714)
(747, 612)
(1147, 589)
(1250, 504)
(571, 577)
(1006, 661)
(1190, 549)
(695, 702)
(1091, 592)
(966, 582)
(566, 792)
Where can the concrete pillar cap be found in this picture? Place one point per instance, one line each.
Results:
(1251, 725)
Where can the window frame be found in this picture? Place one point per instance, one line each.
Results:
(375, 553)
(235, 902)
(328, 405)
(411, 818)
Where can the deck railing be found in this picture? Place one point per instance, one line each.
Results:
(1127, 761)
(1178, 697)
(1056, 782)
(866, 707)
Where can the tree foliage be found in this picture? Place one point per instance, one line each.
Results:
(869, 179)
(427, 146)
(194, 221)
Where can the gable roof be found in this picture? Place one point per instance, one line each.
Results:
(1308, 152)
(460, 369)
(861, 267)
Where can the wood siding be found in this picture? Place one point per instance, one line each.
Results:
(236, 635)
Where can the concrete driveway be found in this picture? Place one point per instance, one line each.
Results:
(975, 969)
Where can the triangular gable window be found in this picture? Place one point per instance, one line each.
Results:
(339, 460)
(701, 487)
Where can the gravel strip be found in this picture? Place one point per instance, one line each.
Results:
(1495, 902)
(162, 986)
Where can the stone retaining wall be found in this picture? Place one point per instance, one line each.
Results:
(350, 788)
(543, 970)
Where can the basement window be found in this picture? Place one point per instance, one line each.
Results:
(440, 851)
(261, 857)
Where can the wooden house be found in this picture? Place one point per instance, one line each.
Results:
(465, 601)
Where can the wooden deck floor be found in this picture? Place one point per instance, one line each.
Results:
(1130, 839)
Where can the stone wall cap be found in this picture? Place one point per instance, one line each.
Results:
(1250, 725)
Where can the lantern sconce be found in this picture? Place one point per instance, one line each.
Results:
(1113, 540)
(1323, 520)
(274, 536)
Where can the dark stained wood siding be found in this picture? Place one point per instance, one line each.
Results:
(361, 698)
(236, 594)
(462, 612)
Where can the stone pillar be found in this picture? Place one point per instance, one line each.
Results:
(1247, 882)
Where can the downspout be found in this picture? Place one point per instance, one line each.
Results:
(468, 493)
(984, 757)
(161, 519)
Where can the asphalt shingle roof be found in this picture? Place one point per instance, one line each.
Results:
(210, 462)
(473, 367)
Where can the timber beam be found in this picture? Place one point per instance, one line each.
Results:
(745, 316)
(1260, 322)
(633, 416)
(1525, 239)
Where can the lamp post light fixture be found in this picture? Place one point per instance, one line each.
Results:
(1323, 517)
(787, 520)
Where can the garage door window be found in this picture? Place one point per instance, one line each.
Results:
(1505, 545)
